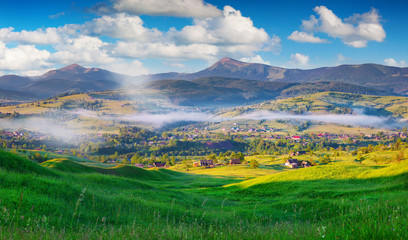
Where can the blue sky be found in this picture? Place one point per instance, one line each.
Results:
(148, 36)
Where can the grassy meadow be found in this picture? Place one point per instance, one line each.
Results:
(68, 199)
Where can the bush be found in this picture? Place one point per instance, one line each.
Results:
(254, 164)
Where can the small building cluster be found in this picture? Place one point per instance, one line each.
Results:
(294, 163)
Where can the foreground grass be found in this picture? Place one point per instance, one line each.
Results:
(66, 201)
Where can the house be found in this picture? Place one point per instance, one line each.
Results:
(159, 164)
(207, 163)
(292, 154)
(235, 161)
(292, 163)
(296, 138)
(195, 164)
(306, 164)
(139, 165)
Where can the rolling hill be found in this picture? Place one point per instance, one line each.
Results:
(333, 103)
(222, 91)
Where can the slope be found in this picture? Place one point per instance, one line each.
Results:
(235, 91)
(335, 103)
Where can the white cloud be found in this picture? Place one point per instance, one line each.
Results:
(57, 15)
(177, 8)
(306, 37)
(23, 57)
(231, 33)
(394, 63)
(166, 50)
(133, 68)
(255, 59)
(121, 26)
(299, 60)
(39, 36)
(231, 28)
(177, 65)
(227, 33)
(354, 31)
(341, 58)
(83, 49)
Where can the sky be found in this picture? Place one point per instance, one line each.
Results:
(138, 37)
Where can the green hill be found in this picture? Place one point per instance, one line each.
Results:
(66, 165)
(68, 200)
(15, 163)
(126, 171)
(235, 91)
(335, 103)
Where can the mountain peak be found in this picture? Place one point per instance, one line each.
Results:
(72, 67)
(229, 61)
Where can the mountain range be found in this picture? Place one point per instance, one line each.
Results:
(73, 78)
(227, 81)
(386, 78)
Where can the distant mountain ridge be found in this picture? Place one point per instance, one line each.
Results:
(241, 81)
(385, 78)
(72, 78)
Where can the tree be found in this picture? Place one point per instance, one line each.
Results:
(325, 159)
(186, 164)
(135, 159)
(166, 159)
(172, 160)
(399, 156)
(254, 164)
(152, 157)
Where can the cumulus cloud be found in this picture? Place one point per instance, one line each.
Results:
(177, 8)
(23, 57)
(207, 39)
(255, 59)
(39, 36)
(133, 68)
(354, 31)
(121, 26)
(118, 41)
(230, 28)
(306, 37)
(166, 50)
(299, 59)
(394, 63)
(83, 49)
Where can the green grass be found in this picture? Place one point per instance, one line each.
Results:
(62, 199)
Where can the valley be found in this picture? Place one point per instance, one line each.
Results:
(210, 158)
